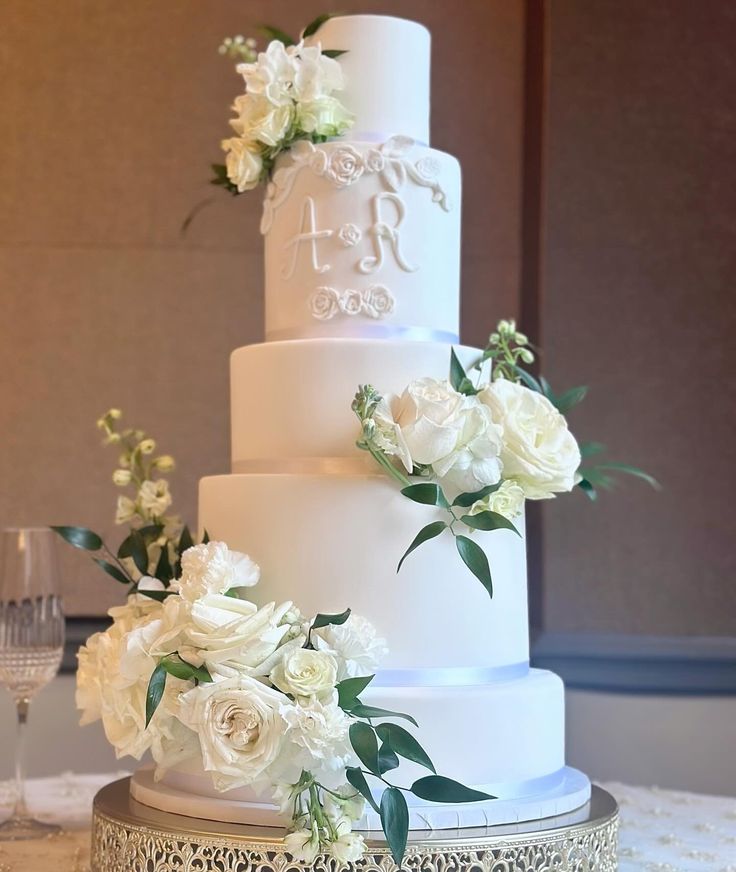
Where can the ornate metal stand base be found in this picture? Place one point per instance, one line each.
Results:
(130, 837)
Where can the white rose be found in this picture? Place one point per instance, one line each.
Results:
(306, 673)
(303, 845)
(508, 501)
(243, 162)
(344, 166)
(356, 646)
(259, 119)
(271, 75)
(325, 116)
(319, 736)
(214, 568)
(453, 433)
(539, 452)
(154, 497)
(240, 729)
(125, 510)
(349, 846)
(315, 74)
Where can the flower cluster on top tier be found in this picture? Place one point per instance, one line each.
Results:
(290, 96)
(488, 444)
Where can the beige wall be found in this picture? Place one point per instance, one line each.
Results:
(112, 113)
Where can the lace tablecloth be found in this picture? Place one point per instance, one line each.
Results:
(661, 830)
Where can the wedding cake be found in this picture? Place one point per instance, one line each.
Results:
(362, 266)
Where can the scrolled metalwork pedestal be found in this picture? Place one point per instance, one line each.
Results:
(130, 837)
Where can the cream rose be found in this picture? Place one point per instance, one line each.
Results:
(259, 119)
(214, 568)
(306, 673)
(539, 452)
(240, 729)
(508, 501)
(243, 162)
(325, 116)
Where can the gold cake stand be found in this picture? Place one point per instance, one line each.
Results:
(130, 837)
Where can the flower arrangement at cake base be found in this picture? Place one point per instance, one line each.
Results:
(263, 697)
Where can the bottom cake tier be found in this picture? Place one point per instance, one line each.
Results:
(505, 738)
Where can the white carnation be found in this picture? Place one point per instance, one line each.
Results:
(243, 162)
(240, 729)
(539, 452)
(355, 645)
(214, 568)
(508, 501)
(319, 735)
(305, 673)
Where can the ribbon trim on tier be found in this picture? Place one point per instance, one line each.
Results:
(449, 677)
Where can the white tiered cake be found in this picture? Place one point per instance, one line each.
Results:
(362, 244)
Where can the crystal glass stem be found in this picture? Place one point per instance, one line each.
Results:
(20, 810)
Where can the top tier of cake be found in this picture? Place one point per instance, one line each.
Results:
(362, 234)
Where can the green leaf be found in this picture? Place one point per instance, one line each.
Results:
(587, 449)
(357, 780)
(205, 538)
(429, 494)
(404, 744)
(387, 759)
(175, 665)
(489, 521)
(349, 689)
(469, 499)
(364, 742)
(315, 25)
(437, 788)
(80, 537)
(424, 535)
(158, 595)
(164, 571)
(458, 377)
(587, 488)
(275, 33)
(565, 401)
(395, 822)
(334, 52)
(135, 548)
(631, 470)
(155, 691)
(112, 570)
(185, 540)
(475, 559)
(528, 379)
(151, 532)
(221, 178)
(371, 711)
(325, 620)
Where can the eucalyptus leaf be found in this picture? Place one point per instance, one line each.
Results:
(349, 689)
(315, 25)
(80, 537)
(276, 33)
(325, 620)
(364, 742)
(395, 822)
(437, 788)
(135, 548)
(469, 499)
(489, 521)
(155, 692)
(371, 711)
(357, 780)
(404, 744)
(387, 758)
(427, 493)
(474, 557)
(112, 570)
(424, 535)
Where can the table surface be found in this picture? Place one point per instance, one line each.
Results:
(661, 830)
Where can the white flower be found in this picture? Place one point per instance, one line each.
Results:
(508, 501)
(453, 433)
(271, 75)
(344, 166)
(349, 235)
(214, 568)
(243, 162)
(239, 726)
(306, 673)
(348, 846)
(348, 803)
(374, 160)
(324, 303)
(164, 463)
(319, 735)
(303, 845)
(356, 646)
(259, 119)
(351, 302)
(316, 75)
(122, 477)
(325, 116)
(154, 497)
(147, 446)
(388, 436)
(125, 510)
(378, 301)
(539, 452)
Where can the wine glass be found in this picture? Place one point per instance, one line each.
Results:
(31, 644)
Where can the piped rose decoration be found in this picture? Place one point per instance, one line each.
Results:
(324, 303)
(345, 166)
(378, 301)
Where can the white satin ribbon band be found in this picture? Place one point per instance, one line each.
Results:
(449, 677)
(369, 331)
(308, 466)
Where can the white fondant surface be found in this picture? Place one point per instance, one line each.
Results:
(386, 68)
(329, 542)
(316, 380)
(360, 241)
